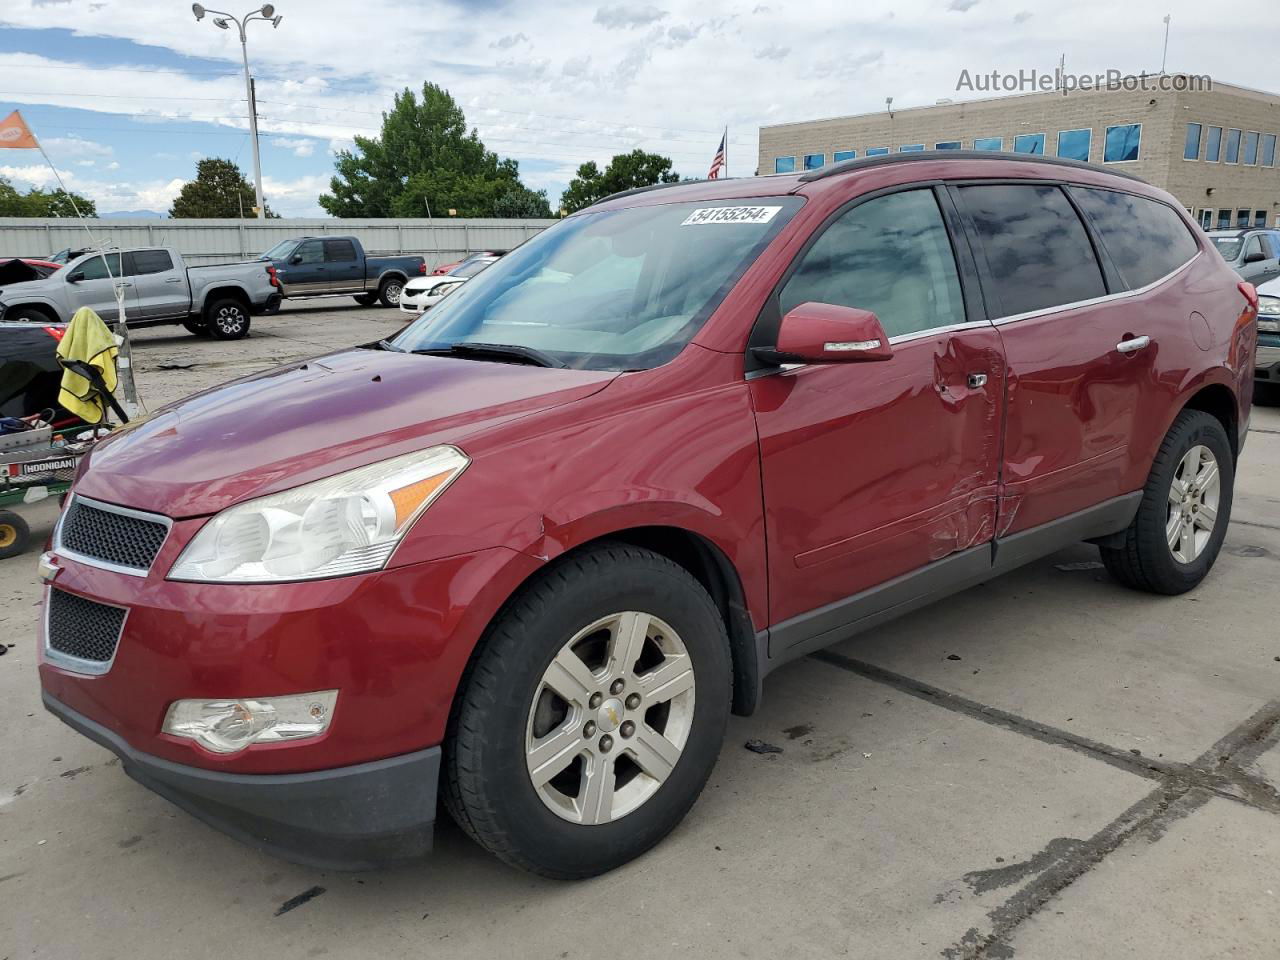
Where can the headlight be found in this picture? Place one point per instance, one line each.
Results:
(228, 726)
(349, 523)
(1269, 314)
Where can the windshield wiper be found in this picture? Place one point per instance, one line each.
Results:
(387, 345)
(506, 351)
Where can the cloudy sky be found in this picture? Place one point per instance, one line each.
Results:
(126, 95)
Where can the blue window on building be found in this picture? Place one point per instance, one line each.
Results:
(947, 145)
(1191, 149)
(1269, 150)
(877, 151)
(812, 161)
(1029, 143)
(988, 143)
(784, 165)
(911, 148)
(1251, 149)
(841, 155)
(1213, 145)
(1232, 152)
(1122, 143)
(1074, 144)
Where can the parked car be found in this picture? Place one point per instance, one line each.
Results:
(425, 292)
(1267, 369)
(327, 266)
(20, 271)
(531, 552)
(1253, 253)
(159, 289)
(444, 268)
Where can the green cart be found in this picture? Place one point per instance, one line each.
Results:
(36, 465)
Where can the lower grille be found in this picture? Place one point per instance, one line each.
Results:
(83, 628)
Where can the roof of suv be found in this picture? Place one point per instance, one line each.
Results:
(781, 183)
(1240, 231)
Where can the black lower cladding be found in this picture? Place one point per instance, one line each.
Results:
(350, 818)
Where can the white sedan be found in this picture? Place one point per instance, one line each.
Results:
(422, 293)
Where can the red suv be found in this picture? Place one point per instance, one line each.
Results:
(528, 555)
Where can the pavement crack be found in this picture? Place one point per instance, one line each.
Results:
(1222, 771)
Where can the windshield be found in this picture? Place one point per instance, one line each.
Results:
(612, 290)
(1229, 247)
(280, 250)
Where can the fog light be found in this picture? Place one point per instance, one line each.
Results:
(228, 726)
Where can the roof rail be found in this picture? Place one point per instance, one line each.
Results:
(652, 186)
(915, 156)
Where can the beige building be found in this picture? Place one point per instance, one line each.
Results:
(1215, 150)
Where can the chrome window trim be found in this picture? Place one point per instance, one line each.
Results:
(62, 551)
(1108, 298)
(64, 661)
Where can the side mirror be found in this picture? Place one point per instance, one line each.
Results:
(1254, 256)
(829, 333)
(296, 258)
(75, 277)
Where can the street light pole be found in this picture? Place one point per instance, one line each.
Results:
(222, 20)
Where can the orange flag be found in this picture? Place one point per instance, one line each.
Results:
(15, 134)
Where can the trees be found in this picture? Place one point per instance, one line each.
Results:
(426, 156)
(625, 171)
(219, 191)
(41, 203)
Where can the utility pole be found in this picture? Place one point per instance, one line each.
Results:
(223, 21)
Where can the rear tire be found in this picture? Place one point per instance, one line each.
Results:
(227, 319)
(14, 534)
(366, 299)
(1182, 520)
(390, 290)
(521, 760)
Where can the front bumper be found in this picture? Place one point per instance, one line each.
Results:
(349, 818)
(1267, 362)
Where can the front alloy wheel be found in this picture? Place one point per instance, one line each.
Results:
(610, 718)
(591, 713)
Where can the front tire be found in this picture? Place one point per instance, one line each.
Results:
(389, 292)
(228, 319)
(366, 299)
(591, 715)
(1175, 536)
(197, 328)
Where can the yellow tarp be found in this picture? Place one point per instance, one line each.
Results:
(91, 341)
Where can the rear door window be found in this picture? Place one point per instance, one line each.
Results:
(150, 261)
(339, 251)
(1145, 239)
(1038, 253)
(890, 255)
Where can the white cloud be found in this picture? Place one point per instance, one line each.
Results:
(109, 195)
(509, 41)
(624, 16)
(301, 146)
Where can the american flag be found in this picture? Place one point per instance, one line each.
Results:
(717, 164)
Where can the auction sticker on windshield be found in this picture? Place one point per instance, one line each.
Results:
(730, 215)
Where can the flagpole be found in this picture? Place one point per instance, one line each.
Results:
(726, 151)
(124, 363)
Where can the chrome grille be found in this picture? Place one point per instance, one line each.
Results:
(81, 628)
(113, 536)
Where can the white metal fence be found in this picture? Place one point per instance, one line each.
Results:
(221, 241)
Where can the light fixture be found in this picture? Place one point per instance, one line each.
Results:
(275, 21)
(221, 23)
(198, 10)
(267, 11)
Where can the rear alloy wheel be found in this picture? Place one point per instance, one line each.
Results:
(591, 715)
(1182, 520)
(389, 292)
(227, 319)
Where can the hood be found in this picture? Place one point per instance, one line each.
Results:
(298, 423)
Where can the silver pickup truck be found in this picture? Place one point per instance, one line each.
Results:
(158, 288)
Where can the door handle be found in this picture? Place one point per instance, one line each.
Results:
(1133, 344)
(174, 280)
(977, 380)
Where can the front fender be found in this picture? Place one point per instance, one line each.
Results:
(48, 303)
